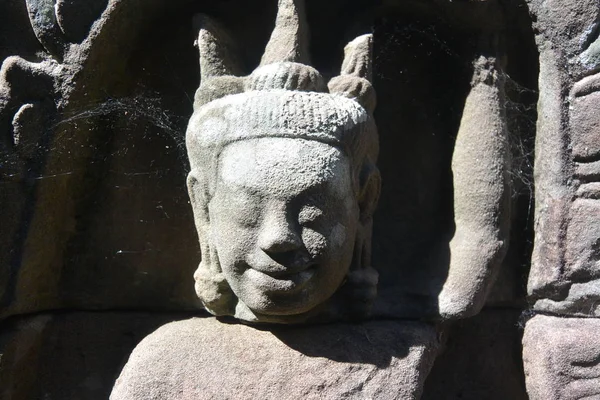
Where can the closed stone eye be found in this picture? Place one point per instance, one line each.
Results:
(309, 214)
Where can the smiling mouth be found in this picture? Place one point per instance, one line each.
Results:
(283, 280)
(285, 272)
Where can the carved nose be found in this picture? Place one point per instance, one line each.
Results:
(279, 240)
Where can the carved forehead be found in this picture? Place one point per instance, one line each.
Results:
(321, 117)
(284, 167)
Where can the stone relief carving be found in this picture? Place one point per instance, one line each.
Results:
(283, 179)
(70, 75)
(560, 351)
(565, 251)
(53, 102)
(261, 146)
(33, 94)
(283, 183)
(480, 165)
(562, 358)
(204, 358)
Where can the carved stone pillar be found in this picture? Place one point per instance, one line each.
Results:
(560, 345)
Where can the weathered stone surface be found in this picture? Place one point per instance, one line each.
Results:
(16, 35)
(567, 27)
(75, 18)
(481, 195)
(584, 121)
(272, 103)
(69, 355)
(562, 358)
(480, 359)
(582, 263)
(45, 27)
(204, 358)
(565, 268)
(283, 184)
(118, 203)
(99, 218)
(417, 186)
(561, 354)
(289, 40)
(110, 170)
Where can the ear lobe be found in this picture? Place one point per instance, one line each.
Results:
(197, 198)
(370, 191)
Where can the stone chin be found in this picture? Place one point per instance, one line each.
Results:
(295, 295)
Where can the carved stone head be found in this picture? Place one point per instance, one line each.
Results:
(283, 180)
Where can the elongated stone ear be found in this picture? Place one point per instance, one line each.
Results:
(369, 191)
(211, 286)
(289, 40)
(220, 69)
(356, 75)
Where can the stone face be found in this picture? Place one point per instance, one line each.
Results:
(283, 179)
(285, 99)
(562, 358)
(283, 184)
(205, 358)
(108, 159)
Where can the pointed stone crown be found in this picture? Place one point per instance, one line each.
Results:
(284, 96)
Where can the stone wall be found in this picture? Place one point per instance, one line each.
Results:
(98, 245)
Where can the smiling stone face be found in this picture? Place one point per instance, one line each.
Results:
(283, 223)
(283, 179)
